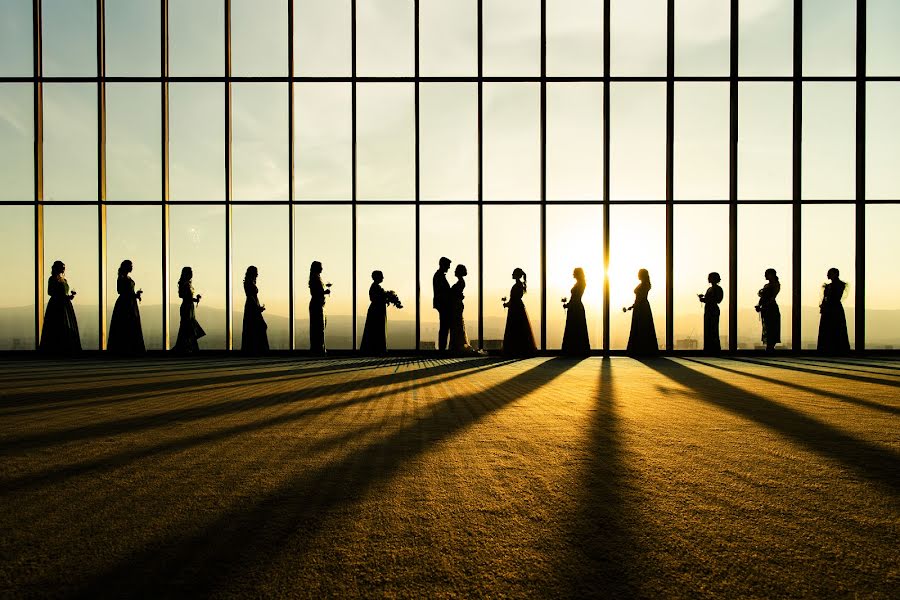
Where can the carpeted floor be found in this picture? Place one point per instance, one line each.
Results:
(479, 477)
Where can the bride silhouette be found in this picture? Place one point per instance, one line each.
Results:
(459, 340)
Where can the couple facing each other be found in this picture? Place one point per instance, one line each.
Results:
(448, 301)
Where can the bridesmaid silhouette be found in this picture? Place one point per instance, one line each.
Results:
(189, 331)
(642, 338)
(711, 300)
(575, 339)
(459, 339)
(833, 338)
(125, 333)
(518, 339)
(254, 339)
(317, 293)
(59, 334)
(768, 310)
(374, 339)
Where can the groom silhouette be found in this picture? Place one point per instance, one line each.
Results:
(442, 301)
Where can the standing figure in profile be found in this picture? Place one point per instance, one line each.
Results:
(833, 338)
(254, 339)
(374, 339)
(711, 300)
(575, 339)
(442, 302)
(59, 334)
(125, 333)
(459, 339)
(642, 338)
(518, 339)
(317, 293)
(189, 330)
(768, 310)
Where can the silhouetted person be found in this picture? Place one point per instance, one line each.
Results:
(59, 334)
(125, 333)
(833, 338)
(518, 339)
(711, 300)
(442, 302)
(374, 339)
(768, 310)
(189, 330)
(575, 339)
(642, 338)
(459, 339)
(317, 320)
(254, 339)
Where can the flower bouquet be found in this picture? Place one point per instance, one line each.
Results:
(392, 298)
(564, 302)
(503, 300)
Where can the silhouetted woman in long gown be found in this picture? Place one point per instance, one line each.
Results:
(575, 339)
(125, 333)
(254, 338)
(459, 339)
(642, 339)
(59, 334)
(711, 300)
(374, 339)
(768, 310)
(317, 320)
(833, 338)
(189, 330)
(518, 339)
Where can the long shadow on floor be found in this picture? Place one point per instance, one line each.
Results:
(790, 365)
(845, 365)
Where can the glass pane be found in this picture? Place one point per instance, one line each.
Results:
(638, 37)
(69, 38)
(700, 247)
(386, 238)
(882, 41)
(829, 141)
(638, 141)
(133, 152)
(765, 37)
(450, 231)
(702, 36)
(575, 37)
(70, 235)
(448, 33)
(259, 237)
(701, 141)
(70, 141)
(323, 233)
(135, 233)
(259, 37)
(322, 37)
(132, 38)
(323, 150)
(384, 38)
(574, 240)
(196, 37)
(197, 141)
(637, 240)
(511, 239)
(765, 150)
(259, 135)
(512, 37)
(197, 240)
(17, 270)
(512, 141)
(829, 241)
(882, 140)
(17, 147)
(16, 24)
(448, 141)
(829, 37)
(574, 141)
(386, 141)
(882, 283)
(764, 241)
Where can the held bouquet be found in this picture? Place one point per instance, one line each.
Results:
(505, 303)
(392, 298)
(564, 302)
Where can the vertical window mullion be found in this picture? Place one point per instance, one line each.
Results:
(480, 43)
(101, 171)
(733, 181)
(543, 224)
(860, 294)
(38, 100)
(670, 154)
(797, 245)
(292, 345)
(229, 293)
(418, 175)
(353, 182)
(606, 162)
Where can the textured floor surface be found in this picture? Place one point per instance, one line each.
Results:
(547, 477)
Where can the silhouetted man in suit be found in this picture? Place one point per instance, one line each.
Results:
(442, 301)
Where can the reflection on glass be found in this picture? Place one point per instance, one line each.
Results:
(448, 151)
(385, 141)
(574, 37)
(15, 38)
(17, 271)
(765, 37)
(829, 141)
(70, 141)
(447, 33)
(132, 38)
(197, 141)
(882, 41)
(702, 35)
(765, 151)
(512, 37)
(882, 140)
(512, 141)
(322, 37)
(638, 37)
(196, 38)
(701, 141)
(829, 37)
(574, 141)
(259, 134)
(384, 38)
(638, 141)
(882, 283)
(133, 154)
(323, 150)
(69, 38)
(259, 37)
(17, 148)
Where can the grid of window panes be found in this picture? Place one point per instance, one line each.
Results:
(681, 136)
